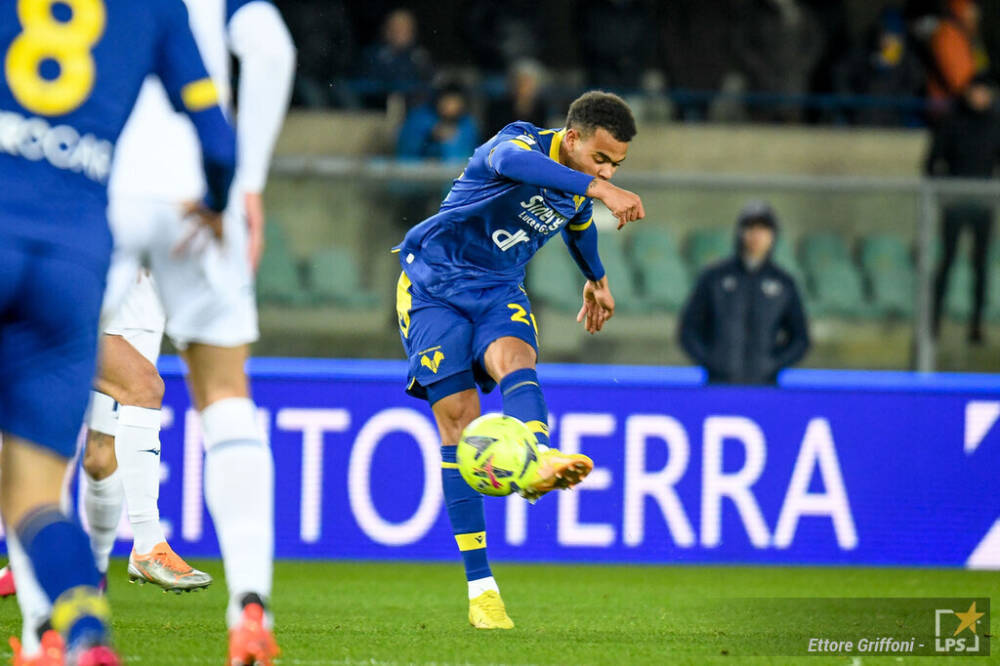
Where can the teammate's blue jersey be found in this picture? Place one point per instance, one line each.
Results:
(493, 220)
(72, 73)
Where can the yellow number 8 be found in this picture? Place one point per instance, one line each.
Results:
(67, 43)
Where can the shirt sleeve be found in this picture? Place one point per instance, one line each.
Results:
(260, 40)
(954, 57)
(516, 160)
(192, 92)
(580, 236)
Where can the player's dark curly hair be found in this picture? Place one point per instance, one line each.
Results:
(601, 109)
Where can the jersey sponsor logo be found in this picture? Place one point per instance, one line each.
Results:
(62, 146)
(527, 138)
(506, 240)
(539, 216)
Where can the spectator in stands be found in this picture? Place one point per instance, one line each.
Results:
(442, 130)
(497, 34)
(884, 66)
(617, 39)
(967, 145)
(777, 44)
(397, 64)
(323, 36)
(958, 54)
(523, 100)
(744, 321)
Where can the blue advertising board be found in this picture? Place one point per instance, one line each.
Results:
(832, 468)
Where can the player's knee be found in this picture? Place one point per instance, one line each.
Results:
(453, 415)
(509, 355)
(146, 389)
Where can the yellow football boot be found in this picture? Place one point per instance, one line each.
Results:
(556, 470)
(487, 612)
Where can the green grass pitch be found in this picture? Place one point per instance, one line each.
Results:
(392, 613)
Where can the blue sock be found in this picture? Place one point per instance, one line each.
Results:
(64, 566)
(523, 399)
(468, 522)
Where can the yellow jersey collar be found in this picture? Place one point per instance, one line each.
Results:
(556, 142)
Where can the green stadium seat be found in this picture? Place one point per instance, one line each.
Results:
(278, 278)
(612, 249)
(707, 246)
(785, 258)
(958, 294)
(824, 248)
(553, 279)
(993, 293)
(887, 267)
(837, 290)
(335, 278)
(662, 276)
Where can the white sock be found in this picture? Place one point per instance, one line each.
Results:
(103, 503)
(480, 585)
(34, 603)
(239, 492)
(137, 447)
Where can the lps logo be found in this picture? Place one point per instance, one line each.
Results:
(953, 641)
(506, 240)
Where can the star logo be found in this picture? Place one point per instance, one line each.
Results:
(968, 619)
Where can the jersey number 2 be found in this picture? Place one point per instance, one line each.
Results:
(66, 44)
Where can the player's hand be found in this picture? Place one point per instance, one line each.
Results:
(624, 205)
(598, 305)
(253, 204)
(202, 222)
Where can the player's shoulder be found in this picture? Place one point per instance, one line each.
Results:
(530, 135)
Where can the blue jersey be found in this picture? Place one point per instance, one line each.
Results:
(511, 199)
(72, 73)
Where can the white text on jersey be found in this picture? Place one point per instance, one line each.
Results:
(506, 240)
(539, 216)
(61, 146)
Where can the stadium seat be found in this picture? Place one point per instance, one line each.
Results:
(886, 264)
(620, 276)
(662, 276)
(822, 249)
(837, 290)
(334, 278)
(278, 279)
(553, 279)
(707, 246)
(785, 258)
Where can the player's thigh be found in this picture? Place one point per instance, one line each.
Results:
(207, 291)
(48, 350)
(216, 373)
(438, 343)
(506, 336)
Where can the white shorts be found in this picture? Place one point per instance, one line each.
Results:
(140, 318)
(207, 292)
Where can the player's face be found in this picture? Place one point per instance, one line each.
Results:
(757, 241)
(598, 155)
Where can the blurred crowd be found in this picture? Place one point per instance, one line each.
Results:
(759, 60)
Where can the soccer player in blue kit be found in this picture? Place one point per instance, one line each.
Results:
(72, 71)
(464, 317)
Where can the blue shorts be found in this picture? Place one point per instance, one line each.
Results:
(445, 340)
(50, 301)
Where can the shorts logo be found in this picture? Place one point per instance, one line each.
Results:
(950, 641)
(432, 363)
(506, 240)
